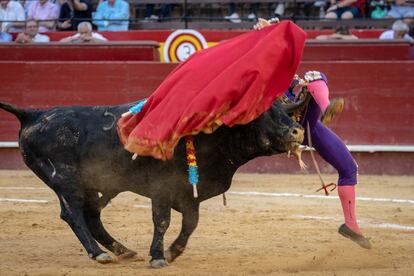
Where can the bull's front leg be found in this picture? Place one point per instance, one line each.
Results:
(189, 223)
(161, 216)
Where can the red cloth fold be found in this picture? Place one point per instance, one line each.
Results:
(231, 83)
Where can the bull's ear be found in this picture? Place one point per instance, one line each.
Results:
(264, 141)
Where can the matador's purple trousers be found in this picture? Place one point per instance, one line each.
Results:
(329, 146)
(332, 149)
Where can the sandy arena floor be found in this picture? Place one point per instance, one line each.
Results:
(265, 234)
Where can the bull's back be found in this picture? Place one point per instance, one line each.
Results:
(71, 128)
(82, 143)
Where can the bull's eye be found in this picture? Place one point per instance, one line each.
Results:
(265, 141)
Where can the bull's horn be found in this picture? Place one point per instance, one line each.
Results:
(294, 106)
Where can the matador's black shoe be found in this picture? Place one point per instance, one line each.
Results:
(336, 106)
(358, 238)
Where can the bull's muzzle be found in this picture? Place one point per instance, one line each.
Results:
(296, 135)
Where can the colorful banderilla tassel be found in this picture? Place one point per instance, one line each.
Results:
(192, 164)
(134, 110)
(137, 108)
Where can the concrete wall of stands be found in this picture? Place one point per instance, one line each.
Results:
(378, 92)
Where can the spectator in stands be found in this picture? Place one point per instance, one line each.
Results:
(31, 33)
(26, 5)
(72, 12)
(85, 35)
(340, 33)
(321, 6)
(411, 31)
(46, 13)
(280, 9)
(11, 11)
(399, 31)
(5, 37)
(345, 9)
(378, 9)
(234, 16)
(402, 9)
(108, 14)
(300, 8)
(165, 11)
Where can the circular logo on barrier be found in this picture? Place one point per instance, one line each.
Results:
(183, 43)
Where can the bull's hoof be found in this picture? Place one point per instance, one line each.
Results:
(131, 256)
(168, 256)
(158, 263)
(359, 239)
(104, 258)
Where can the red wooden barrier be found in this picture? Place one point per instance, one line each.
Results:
(148, 51)
(379, 94)
(394, 163)
(316, 50)
(47, 84)
(379, 101)
(56, 51)
(210, 35)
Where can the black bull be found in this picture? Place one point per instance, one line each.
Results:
(77, 153)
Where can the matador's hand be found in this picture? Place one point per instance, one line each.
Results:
(264, 23)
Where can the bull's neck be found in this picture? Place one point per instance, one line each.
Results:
(240, 148)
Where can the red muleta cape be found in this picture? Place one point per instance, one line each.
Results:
(231, 83)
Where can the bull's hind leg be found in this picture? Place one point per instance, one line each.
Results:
(71, 199)
(67, 186)
(92, 214)
(189, 223)
(161, 216)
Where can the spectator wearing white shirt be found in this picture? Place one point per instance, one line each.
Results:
(13, 16)
(26, 5)
(399, 31)
(31, 33)
(85, 35)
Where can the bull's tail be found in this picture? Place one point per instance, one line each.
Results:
(24, 115)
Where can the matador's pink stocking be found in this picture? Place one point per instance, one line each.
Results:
(347, 197)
